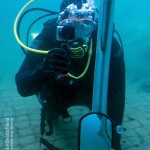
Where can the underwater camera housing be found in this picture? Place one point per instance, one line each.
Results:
(65, 33)
(74, 23)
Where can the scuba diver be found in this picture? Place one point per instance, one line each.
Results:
(64, 77)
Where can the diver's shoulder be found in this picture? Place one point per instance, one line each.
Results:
(50, 22)
(117, 49)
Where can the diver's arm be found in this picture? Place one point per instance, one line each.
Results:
(29, 79)
(36, 68)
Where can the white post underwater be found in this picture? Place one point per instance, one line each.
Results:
(102, 60)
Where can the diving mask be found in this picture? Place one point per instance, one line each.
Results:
(74, 23)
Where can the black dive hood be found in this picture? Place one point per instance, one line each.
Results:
(79, 3)
(65, 3)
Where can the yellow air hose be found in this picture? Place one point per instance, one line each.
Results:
(42, 51)
(15, 31)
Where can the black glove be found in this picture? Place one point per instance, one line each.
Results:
(57, 61)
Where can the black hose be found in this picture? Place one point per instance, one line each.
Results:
(28, 31)
(33, 9)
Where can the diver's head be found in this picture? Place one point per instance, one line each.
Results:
(76, 21)
(65, 3)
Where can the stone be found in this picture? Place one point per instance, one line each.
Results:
(36, 116)
(26, 131)
(60, 143)
(35, 122)
(2, 135)
(32, 147)
(147, 140)
(131, 125)
(141, 131)
(2, 142)
(15, 142)
(22, 118)
(22, 125)
(17, 148)
(26, 140)
(129, 133)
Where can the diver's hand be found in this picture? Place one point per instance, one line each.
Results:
(57, 61)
